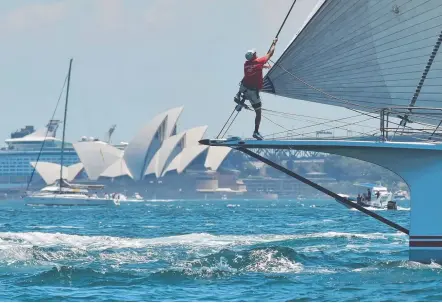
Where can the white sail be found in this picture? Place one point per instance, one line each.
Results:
(366, 55)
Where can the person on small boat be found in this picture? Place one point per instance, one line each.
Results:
(368, 195)
(252, 83)
(378, 194)
(359, 199)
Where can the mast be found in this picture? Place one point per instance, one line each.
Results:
(64, 123)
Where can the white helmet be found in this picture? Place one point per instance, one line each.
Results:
(250, 54)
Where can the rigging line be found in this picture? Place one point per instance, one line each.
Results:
(299, 115)
(286, 17)
(428, 116)
(331, 128)
(230, 125)
(333, 48)
(64, 123)
(320, 91)
(325, 93)
(277, 34)
(326, 123)
(310, 121)
(275, 123)
(233, 120)
(435, 130)
(424, 75)
(230, 117)
(276, 116)
(308, 118)
(297, 135)
(324, 190)
(355, 123)
(46, 135)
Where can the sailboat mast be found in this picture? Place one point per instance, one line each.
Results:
(64, 123)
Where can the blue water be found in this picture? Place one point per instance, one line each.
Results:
(208, 251)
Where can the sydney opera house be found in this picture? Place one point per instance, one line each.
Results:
(157, 156)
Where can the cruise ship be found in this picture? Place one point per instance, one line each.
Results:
(23, 147)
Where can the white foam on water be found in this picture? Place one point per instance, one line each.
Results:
(364, 269)
(314, 248)
(266, 261)
(55, 226)
(383, 209)
(99, 243)
(128, 257)
(233, 205)
(417, 265)
(311, 222)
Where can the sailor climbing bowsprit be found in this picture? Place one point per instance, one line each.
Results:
(252, 83)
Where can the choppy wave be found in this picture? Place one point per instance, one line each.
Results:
(400, 208)
(193, 239)
(227, 262)
(190, 251)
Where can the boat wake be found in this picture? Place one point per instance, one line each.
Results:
(59, 259)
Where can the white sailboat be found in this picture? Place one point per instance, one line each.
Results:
(62, 193)
(67, 194)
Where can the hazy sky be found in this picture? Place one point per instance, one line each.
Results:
(136, 58)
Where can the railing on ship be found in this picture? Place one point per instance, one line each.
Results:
(389, 130)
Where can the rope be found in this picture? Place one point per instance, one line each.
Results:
(47, 132)
(230, 117)
(334, 127)
(338, 98)
(424, 76)
(326, 122)
(321, 91)
(230, 125)
(292, 135)
(277, 34)
(325, 191)
(297, 134)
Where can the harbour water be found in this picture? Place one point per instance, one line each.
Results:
(286, 250)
